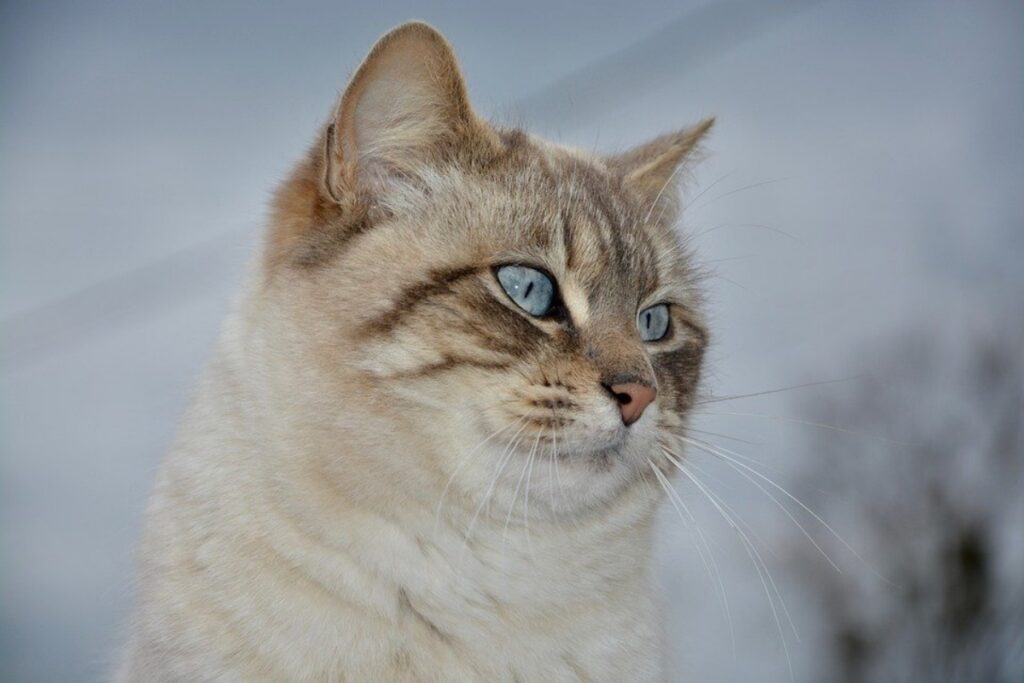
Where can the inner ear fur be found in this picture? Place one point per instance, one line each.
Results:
(405, 108)
(650, 169)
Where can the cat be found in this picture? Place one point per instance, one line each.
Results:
(426, 447)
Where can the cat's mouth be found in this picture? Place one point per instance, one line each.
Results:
(595, 445)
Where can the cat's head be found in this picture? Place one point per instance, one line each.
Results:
(489, 297)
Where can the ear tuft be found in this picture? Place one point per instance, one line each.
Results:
(651, 167)
(405, 107)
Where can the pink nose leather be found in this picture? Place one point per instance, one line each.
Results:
(633, 398)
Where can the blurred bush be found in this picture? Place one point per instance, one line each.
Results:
(931, 493)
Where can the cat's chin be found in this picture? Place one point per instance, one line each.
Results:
(596, 448)
(596, 467)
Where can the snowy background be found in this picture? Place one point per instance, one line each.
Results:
(861, 211)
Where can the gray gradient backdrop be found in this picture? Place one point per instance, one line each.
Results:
(867, 177)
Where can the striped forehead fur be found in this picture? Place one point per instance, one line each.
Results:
(560, 200)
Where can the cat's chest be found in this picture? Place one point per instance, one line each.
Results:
(611, 638)
(517, 617)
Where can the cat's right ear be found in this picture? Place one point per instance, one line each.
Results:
(404, 109)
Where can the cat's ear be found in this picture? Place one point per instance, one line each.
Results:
(405, 108)
(650, 168)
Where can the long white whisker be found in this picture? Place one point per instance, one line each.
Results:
(552, 478)
(722, 436)
(736, 465)
(768, 392)
(741, 189)
(463, 461)
(515, 494)
(728, 508)
(755, 556)
(753, 462)
(716, 575)
(657, 197)
(526, 503)
(558, 476)
(692, 200)
(759, 226)
(503, 460)
(810, 423)
(735, 519)
(725, 453)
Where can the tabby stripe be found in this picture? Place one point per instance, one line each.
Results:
(440, 282)
(449, 363)
(568, 242)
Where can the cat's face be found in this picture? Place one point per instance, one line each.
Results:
(524, 308)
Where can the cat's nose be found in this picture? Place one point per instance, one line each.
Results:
(632, 398)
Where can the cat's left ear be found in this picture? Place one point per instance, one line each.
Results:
(405, 108)
(650, 168)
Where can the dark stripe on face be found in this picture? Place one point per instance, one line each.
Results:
(678, 374)
(645, 263)
(449, 363)
(439, 283)
(498, 328)
(599, 191)
(568, 242)
(628, 266)
(698, 332)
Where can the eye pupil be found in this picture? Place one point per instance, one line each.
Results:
(529, 288)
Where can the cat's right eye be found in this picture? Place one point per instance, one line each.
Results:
(531, 290)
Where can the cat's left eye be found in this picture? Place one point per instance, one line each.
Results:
(653, 323)
(532, 290)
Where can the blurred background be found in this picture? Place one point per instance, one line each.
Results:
(854, 499)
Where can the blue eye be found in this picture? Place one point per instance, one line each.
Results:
(653, 322)
(532, 290)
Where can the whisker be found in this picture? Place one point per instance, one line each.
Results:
(714, 199)
(811, 423)
(720, 399)
(754, 547)
(506, 456)
(552, 477)
(725, 454)
(735, 465)
(728, 508)
(759, 226)
(727, 259)
(712, 273)
(657, 197)
(716, 575)
(526, 504)
(464, 460)
(704, 191)
(724, 436)
(558, 476)
(515, 495)
(752, 552)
